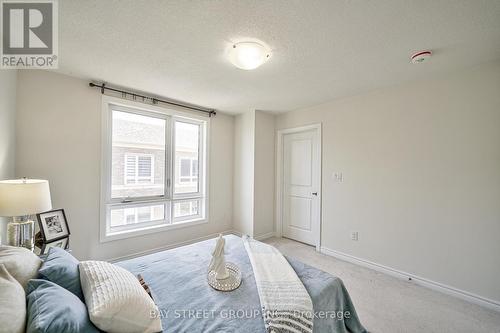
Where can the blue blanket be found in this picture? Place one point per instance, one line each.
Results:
(177, 279)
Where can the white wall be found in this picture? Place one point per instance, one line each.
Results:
(421, 165)
(58, 138)
(244, 145)
(254, 173)
(8, 80)
(264, 174)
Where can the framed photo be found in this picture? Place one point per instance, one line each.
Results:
(53, 225)
(62, 243)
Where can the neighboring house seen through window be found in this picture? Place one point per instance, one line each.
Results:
(138, 169)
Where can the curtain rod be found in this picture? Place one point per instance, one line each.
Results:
(154, 100)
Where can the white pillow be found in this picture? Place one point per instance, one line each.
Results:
(21, 263)
(12, 303)
(115, 299)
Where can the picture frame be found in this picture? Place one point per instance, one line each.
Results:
(53, 225)
(63, 243)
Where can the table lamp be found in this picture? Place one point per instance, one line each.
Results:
(20, 199)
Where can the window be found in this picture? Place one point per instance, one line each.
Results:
(138, 150)
(154, 163)
(187, 147)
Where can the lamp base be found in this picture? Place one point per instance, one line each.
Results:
(21, 233)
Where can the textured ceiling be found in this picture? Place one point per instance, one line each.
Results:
(322, 50)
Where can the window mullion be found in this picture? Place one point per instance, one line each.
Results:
(169, 157)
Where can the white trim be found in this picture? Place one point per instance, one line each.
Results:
(443, 288)
(202, 139)
(235, 232)
(265, 236)
(105, 174)
(170, 246)
(138, 145)
(152, 229)
(259, 238)
(279, 177)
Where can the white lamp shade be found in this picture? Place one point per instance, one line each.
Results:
(24, 197)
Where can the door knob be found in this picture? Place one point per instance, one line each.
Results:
(315, 193)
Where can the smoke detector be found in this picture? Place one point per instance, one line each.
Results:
(420, 57)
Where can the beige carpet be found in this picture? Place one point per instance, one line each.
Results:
(386, 304)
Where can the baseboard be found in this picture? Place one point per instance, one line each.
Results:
(170, 246)
(235, 232)
(259, 238)
(264, 236)
(464, 295)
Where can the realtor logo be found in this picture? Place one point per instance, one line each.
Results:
(29, 34)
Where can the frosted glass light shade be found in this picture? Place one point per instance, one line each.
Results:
(24, 197)
(248, 55)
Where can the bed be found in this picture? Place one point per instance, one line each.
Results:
(177, 279)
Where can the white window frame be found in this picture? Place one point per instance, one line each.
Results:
(171, 115)
(136, 177)
(201, 157)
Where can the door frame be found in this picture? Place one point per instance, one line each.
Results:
(279, 178)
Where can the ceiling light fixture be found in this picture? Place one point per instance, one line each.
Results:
(421, 57)
(249, 55)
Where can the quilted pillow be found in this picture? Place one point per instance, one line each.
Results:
(115, 299)
(61, 268)
(21, 263)
(12, 303)
(51, 308)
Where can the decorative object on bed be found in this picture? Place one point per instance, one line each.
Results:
(286, 304)
(53, 225)
(51, 308)
(21, 263)
(218, 262)
(222, 275)
(115, 299)
(230, 283)
(12, 303)
(21, 198)
(61, 268)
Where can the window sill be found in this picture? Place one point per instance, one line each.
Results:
(112, 236)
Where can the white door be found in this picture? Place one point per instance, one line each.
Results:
(301, 186)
